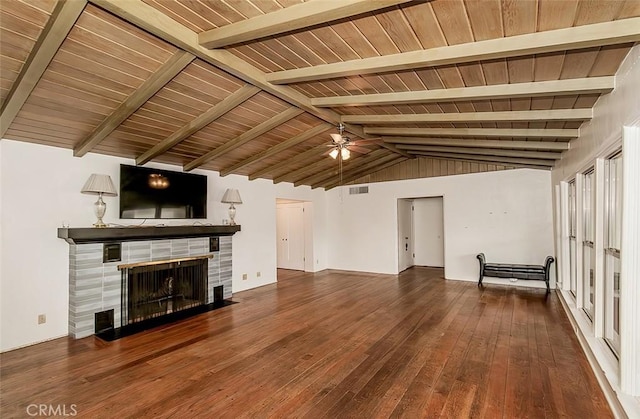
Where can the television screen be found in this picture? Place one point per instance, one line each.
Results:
(154, 193)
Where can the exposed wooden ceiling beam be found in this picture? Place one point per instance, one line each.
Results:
(505, 116)
(201, 121)
(292, 18)
(311, 154)
(488, 159)
(374, 168)
(60, 22)
(272, 151)
(171, 68)
(497, 91)
(450, 142)
(547, 155)
(320, 178)
(586, 36)
(475, 132)
(245, 137)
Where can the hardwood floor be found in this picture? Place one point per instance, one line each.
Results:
(332, 344)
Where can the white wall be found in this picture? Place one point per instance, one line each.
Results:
(40, 188)
(505, 214)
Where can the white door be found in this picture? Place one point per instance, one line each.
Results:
(290, 235)
(428, 218)
(405, 235)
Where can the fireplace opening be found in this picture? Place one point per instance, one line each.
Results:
(160, 289)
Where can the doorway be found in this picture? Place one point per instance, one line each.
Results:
(420, 232)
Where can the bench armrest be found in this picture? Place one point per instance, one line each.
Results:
(483, 262)
(548, 262)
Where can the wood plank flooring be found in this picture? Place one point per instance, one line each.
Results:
(332, 344)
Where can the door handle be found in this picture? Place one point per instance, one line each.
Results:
(406, 247)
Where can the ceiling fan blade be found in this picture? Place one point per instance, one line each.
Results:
(337, 138)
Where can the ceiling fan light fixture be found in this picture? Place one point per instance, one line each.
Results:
(334, 153)
(345, 154)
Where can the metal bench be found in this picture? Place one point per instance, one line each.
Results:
(505, 270)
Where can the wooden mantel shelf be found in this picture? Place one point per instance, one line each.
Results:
(116, 234)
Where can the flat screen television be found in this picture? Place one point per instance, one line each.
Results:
(154, 193)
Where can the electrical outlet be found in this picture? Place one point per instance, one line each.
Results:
(258, 274)
(244, 277)
(42, 318)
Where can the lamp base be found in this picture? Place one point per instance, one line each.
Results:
(100, 208)
(232, 215)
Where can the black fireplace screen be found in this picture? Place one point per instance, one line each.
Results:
(155, 290)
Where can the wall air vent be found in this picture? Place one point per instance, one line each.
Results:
(357, 190)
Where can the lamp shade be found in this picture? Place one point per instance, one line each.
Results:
(99, 184)
(231, 196)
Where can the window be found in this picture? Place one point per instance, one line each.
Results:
(573, 249)
(613, 230)
(588, 251)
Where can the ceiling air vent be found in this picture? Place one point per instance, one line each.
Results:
(357, 190)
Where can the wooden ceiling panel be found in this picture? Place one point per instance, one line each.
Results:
(608, 60)
(629, 9)
(102, 61)
(21, 24)
(453, 21)
(593, 11)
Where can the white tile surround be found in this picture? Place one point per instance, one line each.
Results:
(95, 286)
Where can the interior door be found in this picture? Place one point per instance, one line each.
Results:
(429, 232)
(290, 236)
(405, 234)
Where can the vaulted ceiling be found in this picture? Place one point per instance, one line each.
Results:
(256, 87)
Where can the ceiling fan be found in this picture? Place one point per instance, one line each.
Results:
(342, 146)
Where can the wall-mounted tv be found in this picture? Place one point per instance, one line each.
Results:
(154, 193)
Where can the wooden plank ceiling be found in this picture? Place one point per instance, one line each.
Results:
(256, 87)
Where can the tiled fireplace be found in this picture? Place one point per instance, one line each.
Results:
(97, 257)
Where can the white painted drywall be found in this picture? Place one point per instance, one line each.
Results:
(505, 214)
(428, 231)
(40, 188)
